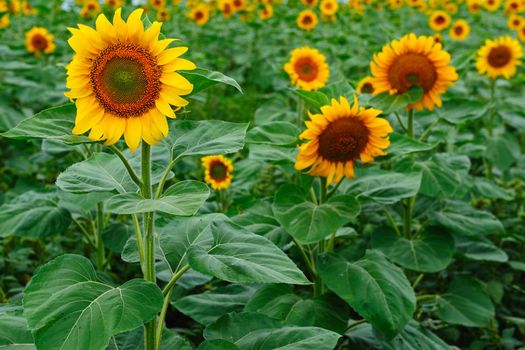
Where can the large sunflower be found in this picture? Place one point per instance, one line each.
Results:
(218, 171)
(39, 40)
(307, 69)
(499, 57)
(307, 20)
(124, 80)
(459, 30)
(339, 136)
(414, 61)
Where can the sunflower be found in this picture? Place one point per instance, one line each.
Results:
(459, 30)
(218, 171)
(307, 20)
(157, 4)
(414, 61)
(339, 136)
(438, 38)
(266, 12)
(39, 40)
(124, 80)
(163, 15)
(200, 14)
(521, 32)
(309, 3)
(365, 86)
(515, 21)
(474, 6)
(499, 57)
(395, 4)
(113, 4)
(329, 7)
(492, 5)
(90, 9)
(238, 5)
(439, 20)
(4, 21)
(513, 6)
(307, 69)
(451, 8)
(226, 8)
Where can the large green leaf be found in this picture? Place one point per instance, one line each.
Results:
(462, 110)
(503, 150)
(102, 172)
(243, 257)
(217, 344)
(392, 103)
(274, 133)
(440, 177)
(66, 305)
(386, 188)
(308, 222)
(314, 99)
(182, 199)
(372, 286)
(203, 78)
(14, 333)
(480, 249)
(402, 144)
(234, 326)
(289, 338)
(465, 303)
(54, 123)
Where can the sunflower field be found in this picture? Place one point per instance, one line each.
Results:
(262, 174)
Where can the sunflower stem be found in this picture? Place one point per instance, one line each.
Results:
(160, 187)
(487, 163)
(318, 285)
(127, 165)
(98, 238)
(410, 123)
(300, 112)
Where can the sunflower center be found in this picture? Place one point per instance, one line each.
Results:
(218, 171)
(343, 140)
(126, 80)
(440, 19)
(458, 30)
(367, 88)
(412, 69)
(39, 42)
(306, 69)
(499, 56)
(307, 19)
(199, 15)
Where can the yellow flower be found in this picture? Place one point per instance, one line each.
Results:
(90, 9)
(439, 20)
(438, 38)
(4, 21)
(226, 8)
(113, 4)
(124, 80)
(307, 20)
(515, 21)
(366, 86)
(474, 6)
(266, 12)
(460, 30)
(307, 68)
(39, 40)
(339, 136)
(499, 57)
(521, 32)
(492, 5)
(451, 8)
(414, 61)
(514, 6)
(238, 5)
(329, 7)
(3, 6)
(157, 4)
(200, 14)
(395, 4)
(163, 15)
(218, 171)
(309, 3)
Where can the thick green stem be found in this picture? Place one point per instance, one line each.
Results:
(140, 244)
(410, 123)
(300, 112)
(100, 243)
(318, 285)
(392, 221)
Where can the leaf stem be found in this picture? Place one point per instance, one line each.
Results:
(392, 222)
(429, 129)
(355, 324)
(164, 178)
(410, 123)
(127, 165)
(426, 297)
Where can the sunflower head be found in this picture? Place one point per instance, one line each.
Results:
(514, 6)
(124, 80)
(90, 9)
(474, 6)
(200, 14)
(307, 20)
(439, 20)
(499, 57)
(218, 171)
(307, 69)
(329, 7)
(4, 21)
(266, 12)
(366, 86)
(226, 8)
(414, 61)
(238, 5)
(113, 4)
(39, 40)
(340, 136)
(163, 15)
(459, 30)
(157, 4)
(309, 3)
(515, 21)
(492, 5)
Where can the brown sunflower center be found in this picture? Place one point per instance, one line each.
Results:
(237, 3)
(516, 22)
(458, 30)
(218, 171)
(199, 15)
(367, 88)
(499, 56)
(343, 140)
(328, 6)
(439, 19)
(412, 69)
(126, 80)
(39, 42)
(307, 19)
(306, 69)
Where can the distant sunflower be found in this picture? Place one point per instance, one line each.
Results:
(366, 86)
(307, 20)
(492, 5)
(439, 20)
(414, 61)
(307, 68)
(521, 32)
(113, 4)
(39, 40)
(438, 38)
(226, 8)
(339, 136)
(124, 80)
(514, 6)
(4, 21)
(157, 4)
(218, 171)
(474, 6)
(459, 30)
(266, 12)
(200, 14)
(163, 15)
(309, 3)
(499, 57)
(329, 7)
(90, 9)
(238, 5)
(451, 8)
(515, 21)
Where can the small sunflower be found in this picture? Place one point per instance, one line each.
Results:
(438, 38)
(521, 32)
(226, 8)
(339, 136)
(474, 6)
(200, 14)
(266, 12)
(90, 9)
(329, 7)
(113, 4)
(366, 86)
(39, 40)
(514, 6)
(414, 61)
(439, 20)
(124, 80)
(307, 69)
(492, 5)
(459, 30)
(515, 21)
(309, 3)
(157, 4)
(4, 21)
(238, 5)
(218, 171)
(307, 20)
(163, 15)
(499, 57)
(451, 8)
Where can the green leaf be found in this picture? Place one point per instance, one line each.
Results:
(430, 252)
(203, 78)
(274, 133)
(243, 257)
(115, 236)
(270, 153)
(33, 215)
(386, 188)
(308, 222)
(392, 103)
(314, 99)
(440, 179)
(373, 287)
(488, 189)
(182, 199)
(217, 344)
(465, 303)
(102, 172)
(14, 333)
(207, 137)
(66, 313)
(234, 326)
(462, 110)
(479, 249)
(289, 338)
(401, 144)
(207, 307)
(503, 150)
(53, 123)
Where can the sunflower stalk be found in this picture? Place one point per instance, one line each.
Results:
(490, 127)
(98, 238)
